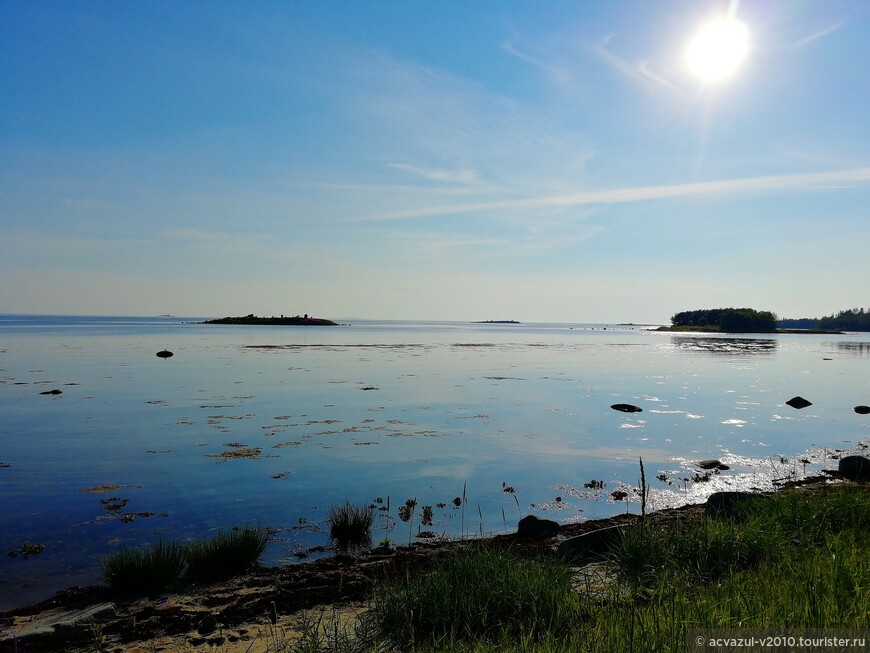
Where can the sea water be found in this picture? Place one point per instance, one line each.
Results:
(484, 423)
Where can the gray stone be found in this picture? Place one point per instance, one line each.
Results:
(723, 503)
(533, 528)
(593, 544)
(712, 464)
(855, 468)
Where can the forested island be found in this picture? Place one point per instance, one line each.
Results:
(749, 320)
(726, 320)
(296, 320)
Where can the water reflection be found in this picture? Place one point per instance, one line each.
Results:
(725, 345)
(855, 348)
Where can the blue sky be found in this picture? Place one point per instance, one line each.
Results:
(539, 161)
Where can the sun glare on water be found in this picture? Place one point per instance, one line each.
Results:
(718, 49)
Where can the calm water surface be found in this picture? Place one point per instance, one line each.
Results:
(516, 417)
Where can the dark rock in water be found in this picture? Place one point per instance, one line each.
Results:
(723, 503)
(855, 468)
(164, 354)
(712, 464)
(52, 392)
(593, 544)
(537, 529)
(799, 402)
(627, 408)
(862, 410)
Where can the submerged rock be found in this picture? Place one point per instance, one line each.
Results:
(627, 408)
(799, 402)
(855, 468)
(537, 529)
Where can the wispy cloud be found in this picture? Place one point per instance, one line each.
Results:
(461, 176)
(643, 72)
(645, 193)
(815, 36)
(198, 235)
(555, 73)
(444, 127)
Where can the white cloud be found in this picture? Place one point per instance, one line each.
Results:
(461, 176)
(645, 193)
(815, 36)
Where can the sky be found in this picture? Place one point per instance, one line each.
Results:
(492, 159)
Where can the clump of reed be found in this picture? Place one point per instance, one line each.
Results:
(150, 569)
(143, 570)
(350, 527)
(228, 553)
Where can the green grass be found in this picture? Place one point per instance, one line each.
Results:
(143, 570)
(791, 560)
(228, 553)
(479, 594)
(350, 527)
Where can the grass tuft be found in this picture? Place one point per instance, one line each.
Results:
(226, 554)
(350, 527)
(143, 570)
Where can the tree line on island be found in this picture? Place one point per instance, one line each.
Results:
(853, 319)
(729, 320)
(748, 320)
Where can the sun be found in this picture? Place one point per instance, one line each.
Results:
(716, 52)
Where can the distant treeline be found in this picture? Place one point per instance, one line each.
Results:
(729, 320)
(853, 319)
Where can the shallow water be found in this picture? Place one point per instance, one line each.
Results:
(515, 417)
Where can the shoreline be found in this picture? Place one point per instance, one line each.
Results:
(248, 607)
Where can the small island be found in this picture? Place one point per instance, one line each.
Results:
(732, 320)
(296, 320)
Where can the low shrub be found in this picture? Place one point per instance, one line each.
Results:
(226, 554)
(350, 527)
(143, 570)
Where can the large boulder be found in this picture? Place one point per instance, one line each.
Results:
(591, 545)
(855, 468)
(533, 528)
